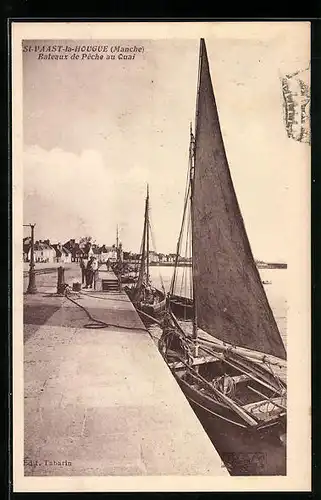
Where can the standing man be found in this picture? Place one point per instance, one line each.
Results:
(89, 273)
(95, 270)
(83, 266)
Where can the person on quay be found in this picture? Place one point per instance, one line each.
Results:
(95, 270)
(83, 265)
(89, 273)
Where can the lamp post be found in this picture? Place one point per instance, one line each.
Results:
(32, 273)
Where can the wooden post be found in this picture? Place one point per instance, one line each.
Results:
(61, 281)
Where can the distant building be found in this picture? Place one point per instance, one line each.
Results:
(43, 252)
(74, 249)
(107, 252)
(161, 257)
(67, 256)
(62, 254)
(171, 257)
(153, 257)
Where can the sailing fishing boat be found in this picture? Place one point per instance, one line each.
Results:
(232, 363)
(121, 268)
(146, 298)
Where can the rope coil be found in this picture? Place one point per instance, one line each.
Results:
(97, 323)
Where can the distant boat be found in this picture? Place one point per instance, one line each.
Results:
(128, 278)
(146, 298)
(229, 365)
(267, 282)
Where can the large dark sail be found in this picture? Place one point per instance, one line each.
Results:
(230, 301)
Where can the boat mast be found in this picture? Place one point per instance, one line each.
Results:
(117, 247)
(192, 170)
(140, 279)
(147, 235)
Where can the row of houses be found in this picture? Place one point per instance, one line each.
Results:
(71, 251)
(161, 258)
(102, 252)
(157, 258)
(44, 251)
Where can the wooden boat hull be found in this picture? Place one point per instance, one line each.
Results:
(182, 307)
(227, 386)
(244, 450)
(220, 413)
(154, 309)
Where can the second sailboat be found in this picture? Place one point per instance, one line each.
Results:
(146, 298)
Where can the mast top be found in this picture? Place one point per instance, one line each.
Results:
(117, 236)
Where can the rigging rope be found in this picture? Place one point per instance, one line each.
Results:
(190, 254)
(184, 272)
(155, 249)
(179, 242)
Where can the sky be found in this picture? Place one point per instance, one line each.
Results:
(96, 131)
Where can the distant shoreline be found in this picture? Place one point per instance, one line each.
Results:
(188, 264)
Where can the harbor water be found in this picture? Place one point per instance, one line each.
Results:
(275, 289)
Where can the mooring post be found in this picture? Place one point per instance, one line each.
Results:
(32, 273)
(61, 281)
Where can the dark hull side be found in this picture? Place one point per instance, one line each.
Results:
(243, 452)
(128, 279)
(182, 307)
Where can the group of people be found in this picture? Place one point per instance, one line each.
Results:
(89, 267)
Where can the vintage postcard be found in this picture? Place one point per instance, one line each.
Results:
(161, 244)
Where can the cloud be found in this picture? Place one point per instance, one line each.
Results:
(69, 195)
(73, 188)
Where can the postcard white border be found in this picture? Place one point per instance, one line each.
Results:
(299, 342)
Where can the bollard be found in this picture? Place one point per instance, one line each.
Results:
(76, 287)
(61, 281)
